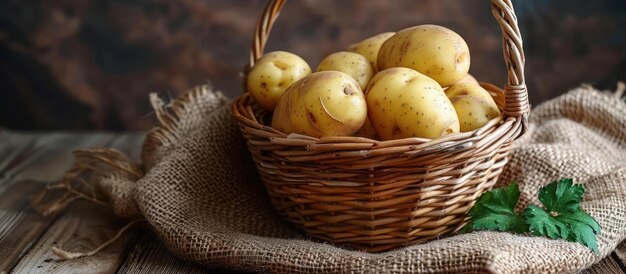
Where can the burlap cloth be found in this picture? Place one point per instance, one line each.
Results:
(199, 191)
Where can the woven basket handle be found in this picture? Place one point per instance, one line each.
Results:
(516, 96)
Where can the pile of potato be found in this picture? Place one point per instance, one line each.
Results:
(413, 83)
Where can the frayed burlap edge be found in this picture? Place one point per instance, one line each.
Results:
(107, 177)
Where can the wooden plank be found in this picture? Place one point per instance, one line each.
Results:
(620, 256)
(47, 156)
(149, 255)
(10, 145)
(83, 227)
(606, 266)
(13, 150)
(15, 211)
(130, 143)
(20, 225)
(52, 154)
(159, 259)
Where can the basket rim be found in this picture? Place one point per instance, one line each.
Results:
(243, 110)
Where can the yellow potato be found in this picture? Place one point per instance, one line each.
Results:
(326, 103)
(467, 79)
(370, 47)
(473, 104)
(350, 63)
(273, 74)
(470, 89)
(367, 130)
(403, 103)
(434, 51)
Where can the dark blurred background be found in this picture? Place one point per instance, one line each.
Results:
(91, 64)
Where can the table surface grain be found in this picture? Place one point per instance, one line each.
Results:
(30, 160)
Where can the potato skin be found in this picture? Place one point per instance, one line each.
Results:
(432, 50)
(404, 103)
(270, 77)
(470, 89)
(350, 63)
(326, 103)
(370, 47)
(467, 79)
(473, 104)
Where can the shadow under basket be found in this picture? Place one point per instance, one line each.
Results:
(380, 195)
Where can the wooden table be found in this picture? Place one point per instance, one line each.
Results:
(29, 160)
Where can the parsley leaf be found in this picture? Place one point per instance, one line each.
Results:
(541, 223)
(561, 217)
(583, 229)
(495, 210)
(562, 196)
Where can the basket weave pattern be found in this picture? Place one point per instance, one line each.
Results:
(379, 195)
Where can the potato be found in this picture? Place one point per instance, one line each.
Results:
(473, 104)
(467, 79)
(370, 47)
(273, 74)
(367, 130)
(434, 51)
(470, 89)
(350, 63)
(403, 103)
(326, 103)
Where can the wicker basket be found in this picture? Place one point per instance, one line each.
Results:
(379, 195)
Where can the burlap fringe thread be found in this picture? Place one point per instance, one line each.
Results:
(77, 183)
(92, 165)
(84, 180)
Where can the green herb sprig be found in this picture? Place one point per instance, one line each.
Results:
(560, 217)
